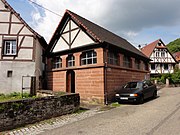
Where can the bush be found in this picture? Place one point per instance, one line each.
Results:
(174, 78)
(164, 77)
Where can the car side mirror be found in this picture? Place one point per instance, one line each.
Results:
(145, 86)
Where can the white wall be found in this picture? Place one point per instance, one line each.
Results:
(19, 69)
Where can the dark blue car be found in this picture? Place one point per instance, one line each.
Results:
(136, 92)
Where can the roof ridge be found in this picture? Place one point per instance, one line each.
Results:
(94, 35)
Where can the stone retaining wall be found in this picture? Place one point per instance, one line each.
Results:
(21, 112)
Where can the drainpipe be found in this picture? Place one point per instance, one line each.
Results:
(105, 77)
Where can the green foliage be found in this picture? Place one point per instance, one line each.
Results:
(13, 96)
(115, 104)
(174, 46)
(174, 78)
(164, 77)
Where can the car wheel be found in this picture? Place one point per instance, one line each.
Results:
(155, 94)
(141, 100)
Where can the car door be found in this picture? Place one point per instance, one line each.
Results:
(148, 90)
(145, 90)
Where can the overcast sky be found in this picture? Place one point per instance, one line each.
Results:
(138, 21)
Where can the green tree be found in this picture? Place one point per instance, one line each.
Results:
(174, 46)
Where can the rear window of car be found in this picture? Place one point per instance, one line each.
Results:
(133, 85)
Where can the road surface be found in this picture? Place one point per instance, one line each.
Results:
(160, 116)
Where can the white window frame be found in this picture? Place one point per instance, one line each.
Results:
(57, 63)
(85, 57)
(12, 47)
(70, 61)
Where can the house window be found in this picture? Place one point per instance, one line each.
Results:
(10, 47)
(137, 64)
(56, 62)
(89, 57)
(157, 54)
(70, 61)
(162, 54)
(152, 66)
(9, 73)
(127, 62)
(165, 66)
(146, 66)
(112, 58)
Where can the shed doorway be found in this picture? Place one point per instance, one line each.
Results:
(70, 81)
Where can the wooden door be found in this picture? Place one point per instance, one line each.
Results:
(70, 82)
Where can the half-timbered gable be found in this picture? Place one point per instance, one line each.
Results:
(162, 60)
(88, 59)
(71, 37)
(21, 49)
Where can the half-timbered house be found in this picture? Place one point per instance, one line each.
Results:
(177, 57)
(90, 60)
(21, 50)
(162, 60)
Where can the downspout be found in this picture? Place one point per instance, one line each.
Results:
(105, 77)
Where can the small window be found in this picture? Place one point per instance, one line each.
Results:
(165, 66)
(137, 64)
(163, 54)
(112, 58)
(70, 61)
(152, 66)
(10, 47)
(127, 62)
(9, 73)
(146, 66)
(89, 57)
(157, 54)
(56, 62)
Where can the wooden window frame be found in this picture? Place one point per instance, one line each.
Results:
(137, 64)
(112, 58)
(127, 62)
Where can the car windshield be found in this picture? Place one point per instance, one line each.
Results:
(133, 85)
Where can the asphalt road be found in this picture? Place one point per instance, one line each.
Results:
(160, 116)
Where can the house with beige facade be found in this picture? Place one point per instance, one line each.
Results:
(21, 50)
(85, 58)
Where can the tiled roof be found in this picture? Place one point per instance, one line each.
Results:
(100, 34)
(148, 49)
(177, 56)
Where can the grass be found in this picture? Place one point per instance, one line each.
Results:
(109, 107)
(14, 96)
(115, 104)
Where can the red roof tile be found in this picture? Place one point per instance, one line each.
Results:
(148, 49)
